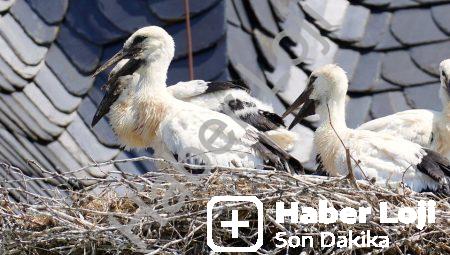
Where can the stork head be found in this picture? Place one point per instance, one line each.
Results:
(328, 83)
(150, 43)
(444, 69)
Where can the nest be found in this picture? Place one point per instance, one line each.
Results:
(165, 213)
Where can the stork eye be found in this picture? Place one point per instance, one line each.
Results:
(444, 74)
(138, 39)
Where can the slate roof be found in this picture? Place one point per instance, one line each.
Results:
(48, 49)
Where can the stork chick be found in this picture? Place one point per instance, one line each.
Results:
(143, 113)
(231, 98)
(430, 129)
(387, 159)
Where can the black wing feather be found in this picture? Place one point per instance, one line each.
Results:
(435, 166)
(276, 156)
(438, 168)
(216, 86)
(114, 87)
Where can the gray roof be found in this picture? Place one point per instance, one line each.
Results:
(390, 50)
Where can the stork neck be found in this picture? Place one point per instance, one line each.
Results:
(153, 75)
(333, 111)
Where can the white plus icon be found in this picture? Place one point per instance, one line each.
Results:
(234, 224)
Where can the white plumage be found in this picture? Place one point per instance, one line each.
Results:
(428, 128)
(230, 98)
(388, 159)
(144, 113)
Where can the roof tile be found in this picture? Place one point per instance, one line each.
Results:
(47, 108)
(207, 29)
(207, 65)
(376, 3)
(51, 11)
(291, 85)
(265, 44)
(11, 76)
(388, 103)
(281, 8)
(33, 25)
(429, 56)
(172, 10)
(102, 130)
(41, 120)
(367, 73)
(424, 97)
(358, 110)
(415, 26)
(263, 13)
(5, 85)
(58, 95)
(388, 42)
(243, 16)
(441, 17)
(348, 60)
(74, 81)
(354, 24)
(5, 5)
(84, 55)
(25, 118)
(12, 122)
(247, 66)
(89, 143)
(231, 14)
(36, 154)
(399, 69)
(23, 46)
(398, 4)
(128, 16)
(74, 149)
(377, 26)
(8, 55)
(93, 26)
(328, 14)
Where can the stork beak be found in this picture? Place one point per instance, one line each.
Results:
(308, 104)
(308, 109)
(116, 58)
(299, 101)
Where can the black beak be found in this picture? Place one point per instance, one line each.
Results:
(113, 60)
(308, 109)
(308, 104)
(299, 101)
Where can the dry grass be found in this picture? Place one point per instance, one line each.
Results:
(89, 221)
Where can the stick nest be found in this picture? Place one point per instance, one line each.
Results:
(165, 213)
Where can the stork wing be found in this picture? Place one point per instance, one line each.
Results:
(114, 87)
(188, 89)
(412, 125)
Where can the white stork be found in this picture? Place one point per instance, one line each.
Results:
(231, 98)
(145, 114)
(428, 128)
(387, 159)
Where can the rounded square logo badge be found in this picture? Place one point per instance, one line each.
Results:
(234, 223)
